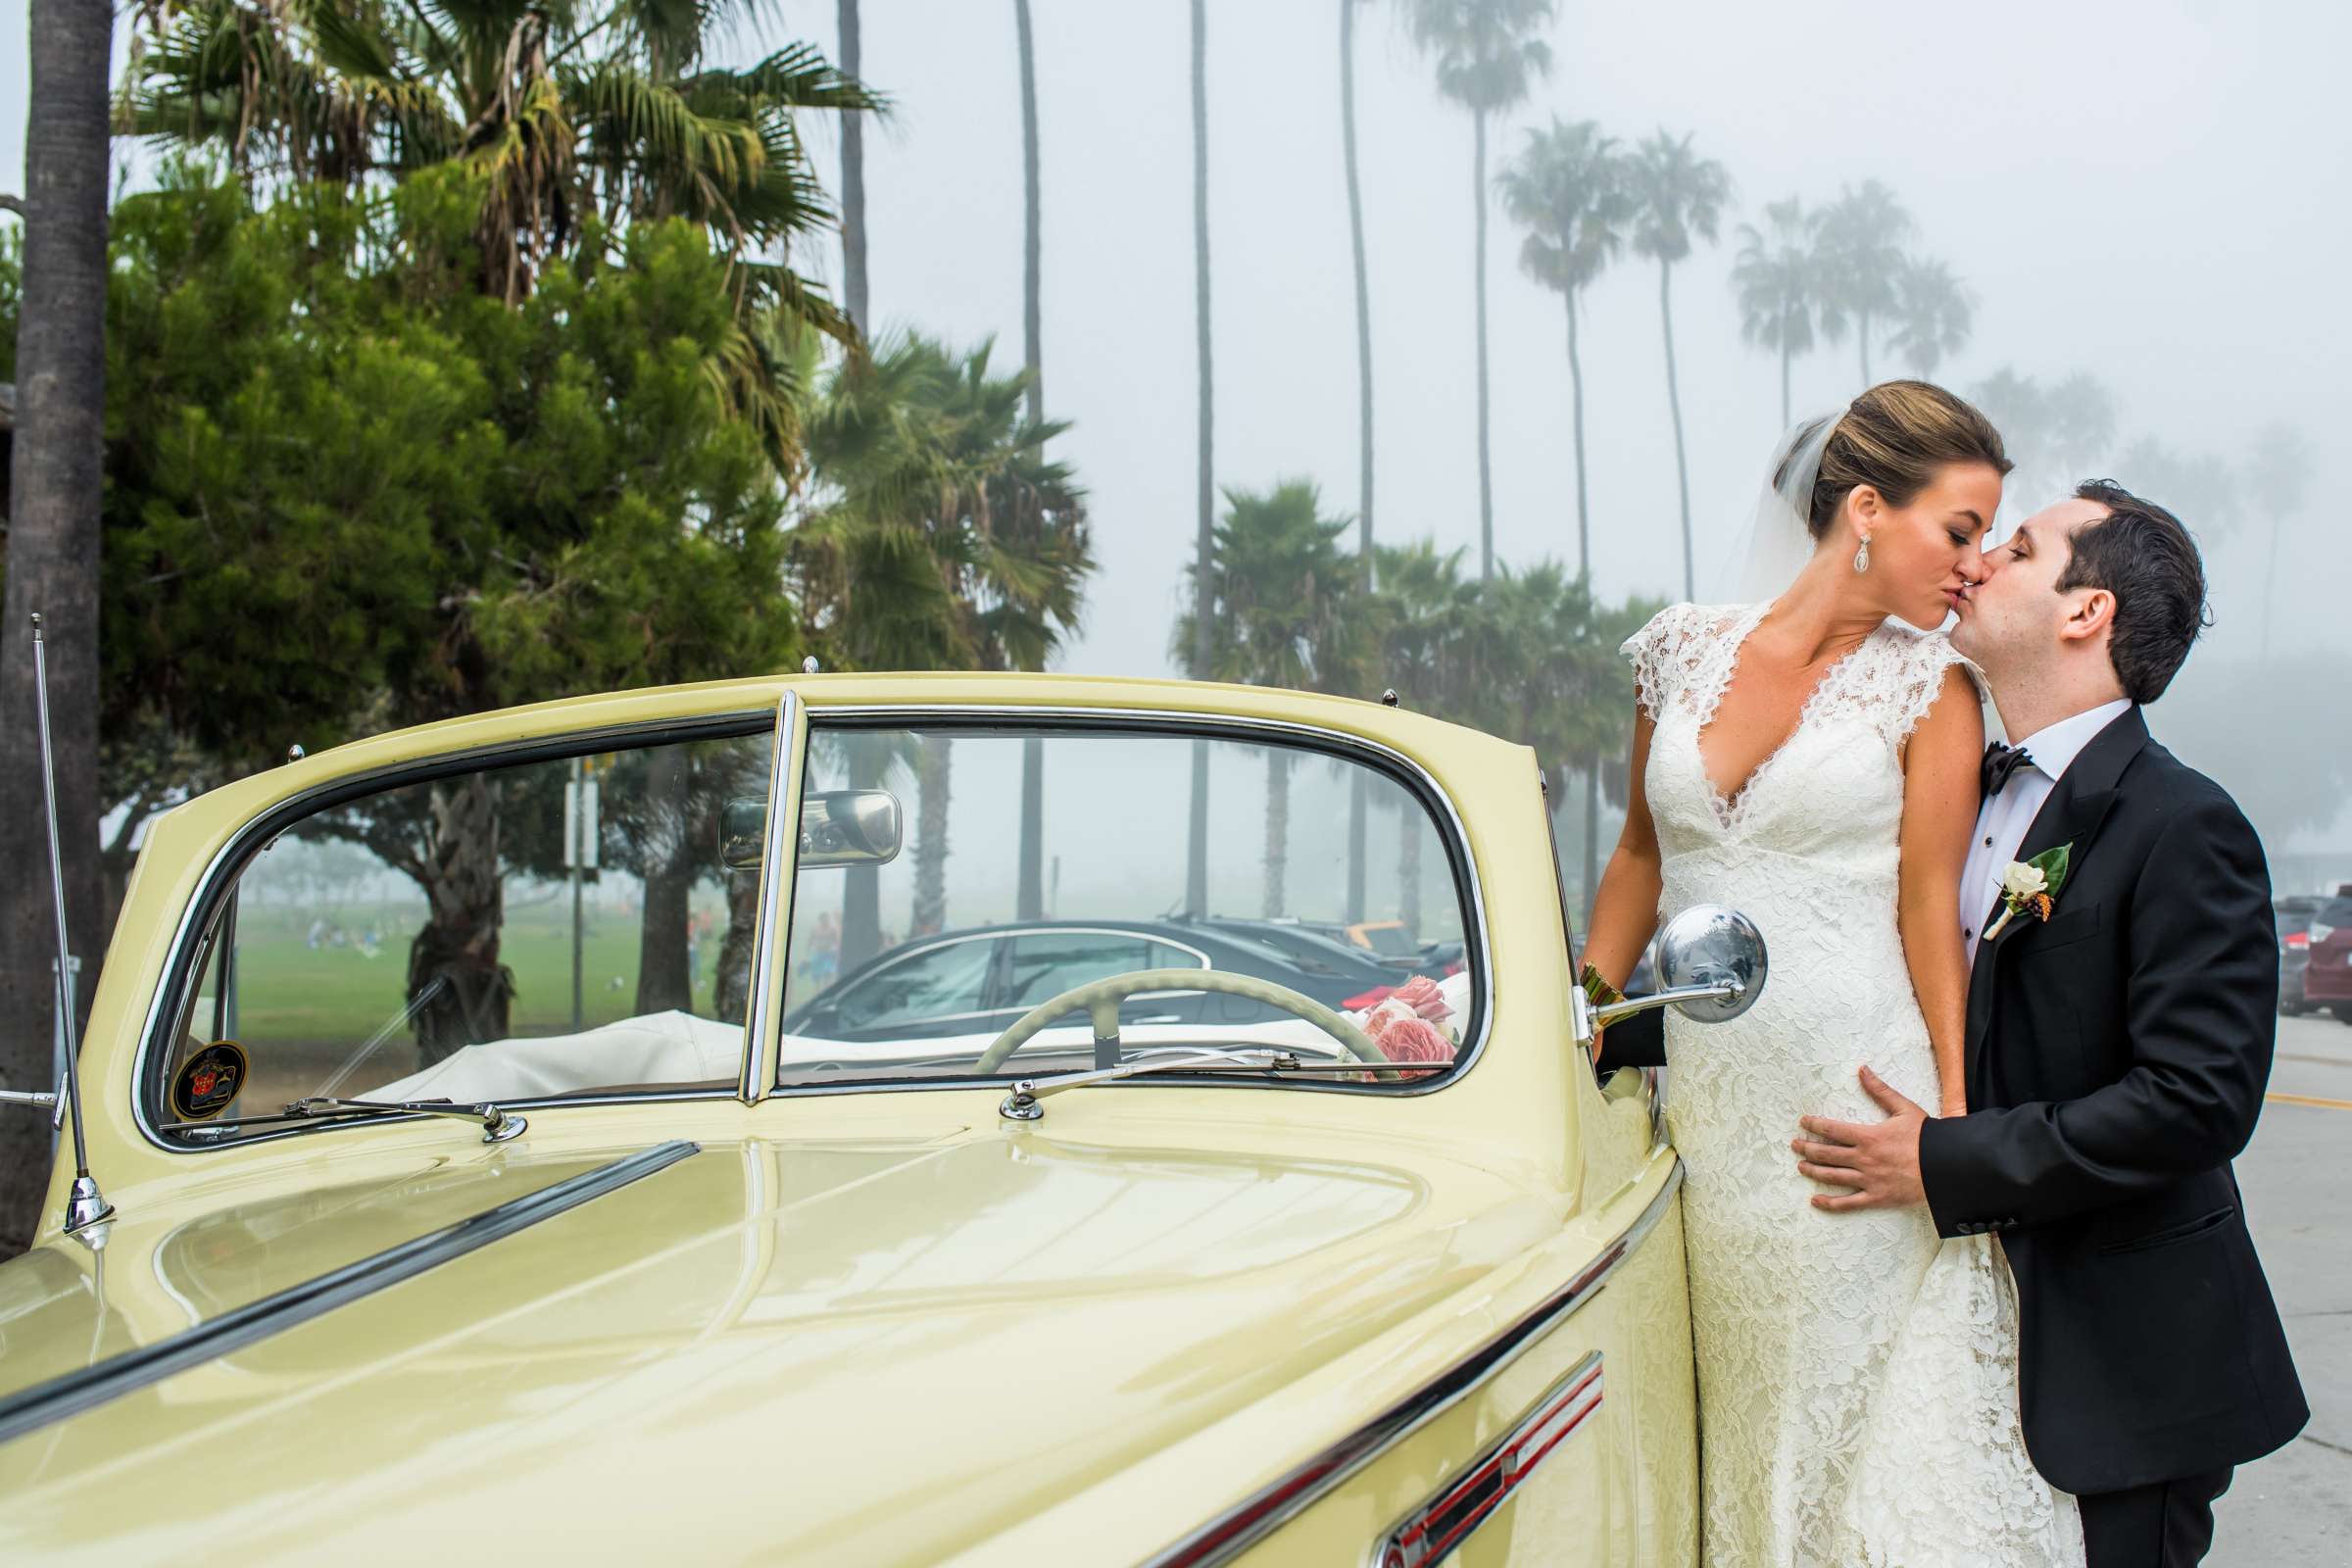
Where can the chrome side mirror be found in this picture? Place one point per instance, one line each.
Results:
(1718, 955)
(1711, 965)
(838, 827)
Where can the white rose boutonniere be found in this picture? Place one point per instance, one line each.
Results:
(2030, 887)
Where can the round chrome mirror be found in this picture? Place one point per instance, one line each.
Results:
(1708, 945)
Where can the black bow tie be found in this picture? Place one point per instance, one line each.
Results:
(1999, 763)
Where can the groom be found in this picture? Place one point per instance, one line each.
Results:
(2119, 1038)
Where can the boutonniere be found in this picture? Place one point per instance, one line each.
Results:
(2030, 887)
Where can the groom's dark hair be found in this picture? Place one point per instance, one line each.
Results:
(2147, 558)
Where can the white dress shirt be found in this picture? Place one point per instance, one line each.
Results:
(2002, 820)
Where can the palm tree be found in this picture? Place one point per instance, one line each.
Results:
(2055, 435)
(1030, 896)
(1487, 56)
(557, 125)
(1358, 795)
(54, 486)
(853, 176)
(1932, 316)
(1282, 598)
(1783, 296)
(2279, 471)
(1568, 190)
(1676, 196)
(1861, 241)
(1196, 876)
(939, 536)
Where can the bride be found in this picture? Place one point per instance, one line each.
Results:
(1813, 761)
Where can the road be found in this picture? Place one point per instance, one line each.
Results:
(2296, 1505)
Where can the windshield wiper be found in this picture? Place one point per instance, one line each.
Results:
(497, 1125)
(1023, 1103)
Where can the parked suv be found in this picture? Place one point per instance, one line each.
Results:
(2293, 915)
(2328, 971)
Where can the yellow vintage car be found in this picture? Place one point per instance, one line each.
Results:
(859, 1119)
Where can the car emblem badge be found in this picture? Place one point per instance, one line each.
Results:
(208, 1081)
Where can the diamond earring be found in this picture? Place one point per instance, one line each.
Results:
(1862, 556)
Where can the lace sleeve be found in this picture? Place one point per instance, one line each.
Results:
(1920, 681)
(1661, 654)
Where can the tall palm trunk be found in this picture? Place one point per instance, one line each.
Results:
(1576, 390)
(1486, 475)
(2270, 584)
(1408, 867)
(931, 781)
(1674, 401)
(1195, 878)
(853, 177)
(53, 568)
(1862, 339)
(1357, 790)
(1278, 829)
(1030, 901)
(1784, 373)
(862, 884)
(664, 980)
(1591, 835)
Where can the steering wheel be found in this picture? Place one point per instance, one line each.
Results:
(1100, 1000)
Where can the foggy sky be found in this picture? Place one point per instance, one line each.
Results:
(2151, 192)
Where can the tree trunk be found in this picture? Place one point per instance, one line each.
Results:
(731, 985)
(53, 568)
(1592, 836)
(2270, 585)
(1363, 309)
(1195, 879)
(1278, 829)
(853, 178)
(1032, 319)
(663, 981)
(932, 764)
(1862, 340)
(1408, 867)
(862, 887)
(1674, 401)
(1358, 802)
(464, 896)
(1576, 390)
(1486, 475)
(1785, 416)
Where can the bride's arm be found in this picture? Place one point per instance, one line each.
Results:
(1625, 909)
(1939, 812)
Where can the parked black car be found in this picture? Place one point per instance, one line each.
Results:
(980, 980)
(2293, 915)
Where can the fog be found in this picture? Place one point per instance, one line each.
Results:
(2151, 193)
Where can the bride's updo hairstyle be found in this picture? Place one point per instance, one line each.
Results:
(1895, 438)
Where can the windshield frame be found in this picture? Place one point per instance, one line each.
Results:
(1048, 718)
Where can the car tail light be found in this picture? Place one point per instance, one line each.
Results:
(1369, 999)
(2321, 933)
(2298, 939)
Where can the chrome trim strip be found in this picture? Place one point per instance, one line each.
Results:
(772, 926)
(1274, 1504)
(59, 1398)
(1478, 949)
(1469, 1497)
(294, 807)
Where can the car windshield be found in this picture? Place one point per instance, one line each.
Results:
(546, 928)
(1032, 863)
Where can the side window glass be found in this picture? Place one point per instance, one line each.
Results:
(1044, 967)
(941, 983)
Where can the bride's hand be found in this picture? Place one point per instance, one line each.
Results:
(1954, 1105)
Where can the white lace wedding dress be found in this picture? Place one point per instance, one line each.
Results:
(1857, 1377)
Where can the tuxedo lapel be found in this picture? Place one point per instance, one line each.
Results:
(2071, 816)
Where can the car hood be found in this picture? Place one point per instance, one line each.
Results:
(873, 1351)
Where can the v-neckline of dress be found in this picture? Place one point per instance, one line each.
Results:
(1729, 809)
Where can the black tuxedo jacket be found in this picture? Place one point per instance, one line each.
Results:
(2117, 1055)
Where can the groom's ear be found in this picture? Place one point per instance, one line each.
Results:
(2091, 615)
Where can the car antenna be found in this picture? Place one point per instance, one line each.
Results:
(86, 1209)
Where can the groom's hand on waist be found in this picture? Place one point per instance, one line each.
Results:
(1875, 1164)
